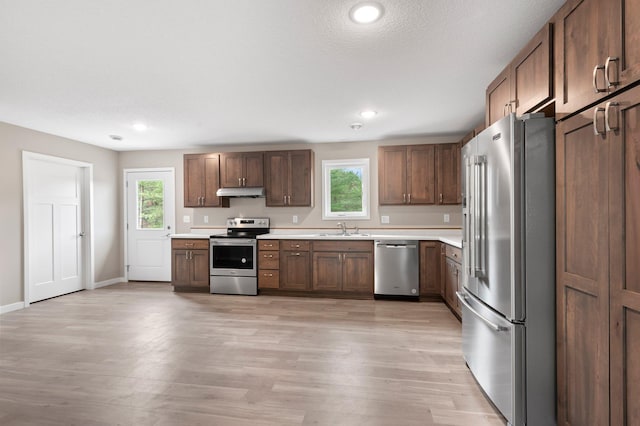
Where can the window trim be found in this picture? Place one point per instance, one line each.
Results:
(327, 166)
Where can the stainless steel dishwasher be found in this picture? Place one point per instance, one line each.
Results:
(396, 268)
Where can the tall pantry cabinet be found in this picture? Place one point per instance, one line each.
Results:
(598, 212)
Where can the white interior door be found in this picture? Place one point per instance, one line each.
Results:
(150, 220)
(55, 228)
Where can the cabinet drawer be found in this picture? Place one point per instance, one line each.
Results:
(298, 245)
(453, 253)
(269, 244)
(269, 279)
(269, 260)
(343, 246)
(186, 244)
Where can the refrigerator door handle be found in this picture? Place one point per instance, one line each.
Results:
(468, 222)
(495, 327)
(480, 217)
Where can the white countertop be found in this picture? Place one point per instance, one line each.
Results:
(449, 236)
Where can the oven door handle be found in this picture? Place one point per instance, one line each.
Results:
(233, 242)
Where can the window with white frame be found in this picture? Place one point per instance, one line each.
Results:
(345, 192)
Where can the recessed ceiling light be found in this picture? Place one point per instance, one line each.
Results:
(116, 137)
(141, 127)
(366, 13)
(368, 113)
(356, 126)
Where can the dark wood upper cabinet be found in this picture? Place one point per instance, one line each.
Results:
(289, 178)
(392, 175)
(498, 97)
(532, 73)
(448, 174)
(413, 174)
(241, 169)
(526, 84)
(596, 51)
(419, 174)
(202, 180)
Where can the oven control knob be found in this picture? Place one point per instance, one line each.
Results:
(244, 260)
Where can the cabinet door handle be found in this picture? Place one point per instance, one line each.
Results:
(296, 246)
(296, 254)
(607, 123)
(239, 181)
(284, 200)
(268, 256)
(440, 198)
(595, 121)
(268, 245)
(244, 181)
(404, 198)
(186, 255)
(267, 275)
(289, 200)
(595, 78)
(611, 83)
(409, 196)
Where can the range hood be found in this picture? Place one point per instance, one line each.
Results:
(240, 192)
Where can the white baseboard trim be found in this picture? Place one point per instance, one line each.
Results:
(12, 307)
(108, 282)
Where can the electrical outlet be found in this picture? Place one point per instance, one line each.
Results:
(206, 219)
(446, 218)
(294, 219)
(384, 219)
(186, 219)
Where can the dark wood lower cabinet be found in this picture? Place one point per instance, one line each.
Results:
(190, 264)
(295, 270)
(451, 276)
(598, 257)
(430, 282)
(343, 266)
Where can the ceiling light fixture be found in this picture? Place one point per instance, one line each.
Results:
(366, 13)
(141, 127)
(368, 113)
(356, 126)
(116, 137)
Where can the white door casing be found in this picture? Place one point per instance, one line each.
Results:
(56, 226)
(149, 220)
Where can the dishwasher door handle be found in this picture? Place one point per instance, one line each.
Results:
(397, 246)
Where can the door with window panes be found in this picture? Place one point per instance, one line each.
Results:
(150, 221)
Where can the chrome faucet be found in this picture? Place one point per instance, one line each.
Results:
(343, 226)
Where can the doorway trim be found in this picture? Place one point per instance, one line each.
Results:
(87, 216)
(125, 207)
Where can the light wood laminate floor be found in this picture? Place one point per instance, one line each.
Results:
(140, 354)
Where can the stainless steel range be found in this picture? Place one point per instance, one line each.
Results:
(234, 258)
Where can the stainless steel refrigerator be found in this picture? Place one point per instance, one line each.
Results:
(508, 296)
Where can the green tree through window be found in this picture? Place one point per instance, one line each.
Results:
(346, 190)
(150, 204)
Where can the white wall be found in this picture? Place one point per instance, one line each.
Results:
(309, 217)
(107, 224)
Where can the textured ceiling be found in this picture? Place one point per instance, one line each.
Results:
(206, 72)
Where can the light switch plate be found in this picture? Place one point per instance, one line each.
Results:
(295, 219)
(206, 219)
(186, 219)
(446, 218)
(384, 219)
